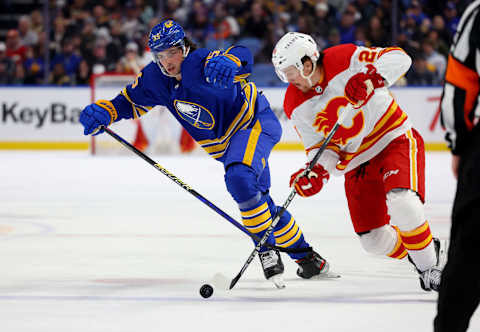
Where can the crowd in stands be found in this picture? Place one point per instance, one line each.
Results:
(111, 36)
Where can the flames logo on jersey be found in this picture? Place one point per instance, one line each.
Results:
(197, 115)
(326, 119)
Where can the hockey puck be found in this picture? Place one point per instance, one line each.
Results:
(206, 291)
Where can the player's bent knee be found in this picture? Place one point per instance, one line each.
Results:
(379, 241)
(405, 209)
(241, 182)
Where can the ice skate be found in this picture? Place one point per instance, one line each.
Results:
(314, 266)
(272, 267)
(430, 279)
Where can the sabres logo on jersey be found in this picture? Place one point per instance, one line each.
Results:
(197, 115)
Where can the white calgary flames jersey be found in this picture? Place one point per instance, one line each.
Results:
(366, 131)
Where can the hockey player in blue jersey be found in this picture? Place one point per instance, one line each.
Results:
(207, 92)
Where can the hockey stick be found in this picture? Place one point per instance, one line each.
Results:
(290, 197)
(195, 193)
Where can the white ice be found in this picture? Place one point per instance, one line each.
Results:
(111, 244)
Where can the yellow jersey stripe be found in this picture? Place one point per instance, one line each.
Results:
(413, 160)
(252, 144)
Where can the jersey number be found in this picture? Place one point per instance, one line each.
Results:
(134, 85)
(367, 56)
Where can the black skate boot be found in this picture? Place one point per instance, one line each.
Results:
(430, 279)
(312, 265)
(272, 267)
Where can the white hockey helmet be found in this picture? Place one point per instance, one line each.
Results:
(290, 50)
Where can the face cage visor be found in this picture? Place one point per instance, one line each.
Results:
(156, 57)
(290, 72)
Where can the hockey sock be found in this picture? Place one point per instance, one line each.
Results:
(420, 247)
(256, 217)
(287, 232)
(399, 251)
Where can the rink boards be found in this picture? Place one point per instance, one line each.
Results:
(47, 117)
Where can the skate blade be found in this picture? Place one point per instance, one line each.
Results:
(327, 275)
(278, 281)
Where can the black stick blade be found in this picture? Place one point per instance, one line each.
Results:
(235, 280)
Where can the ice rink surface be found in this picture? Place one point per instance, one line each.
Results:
(110, 244)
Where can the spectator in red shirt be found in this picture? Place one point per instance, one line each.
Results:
(15, 50)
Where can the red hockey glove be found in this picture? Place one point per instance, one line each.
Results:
(311, 183)
(356, 89)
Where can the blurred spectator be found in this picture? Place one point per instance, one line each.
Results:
(114, 9)
(415, 11)
(361, 37)
(323, 20)
(334, 37)
(131, 63)
(366, 9)
(34, 66)
(239, 9)
(15, 51)
(419, 74)
(58, 34)
(375, 33)
(132, 24)
(99, 62)
(438, 44)
(36, 20)
(412, 48)
(79, 10)
(100, 16)
(436, 62)
(451, 17)
(347, 24)
(7, 66)
(146, 11)
(28, 37)
(198, 26)
(58, 76)
(305, 24)
(67, 58)
(257, 22)
(173, 9)
(88, 39)
(82, 76)
(438, 25)
(226, 28)
(116, 41)
(19, 75)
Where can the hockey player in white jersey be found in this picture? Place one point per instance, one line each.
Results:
(381, 156)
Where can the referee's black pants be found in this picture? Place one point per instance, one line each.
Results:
(460, 286)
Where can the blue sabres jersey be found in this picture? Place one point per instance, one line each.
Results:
(210, 115)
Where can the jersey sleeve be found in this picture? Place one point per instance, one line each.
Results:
(244, 58)
(136, 99)
(391, 62)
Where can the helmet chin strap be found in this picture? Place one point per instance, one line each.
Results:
(309, 77)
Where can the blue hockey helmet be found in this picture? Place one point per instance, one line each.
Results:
(165, 35)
